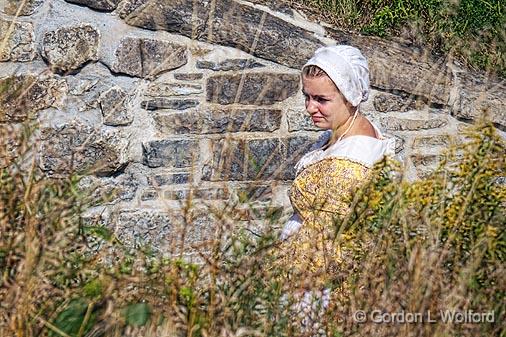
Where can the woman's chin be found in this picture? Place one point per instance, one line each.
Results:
(321, 124)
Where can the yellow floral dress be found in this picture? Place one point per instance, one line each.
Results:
(321, 196)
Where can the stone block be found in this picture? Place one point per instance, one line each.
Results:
(158, 180)
(109, 190)
(68, 48)
(240, 159)
(255, 159)
(297, 146)
(426, 160)
(188, 77)
(396, 67)
(101, 5)
(219, 121)
(171, 232)
(137, 228)
(253, 88)
(21, 96)
(214, 193)
(167, 103)
(115, 109)
(480, 97)
(385, 102)
(265, 214)
(412, 124)
(11, 139)
(299, 120)
(254, 192)
(149, 194)
(228, 65)
(173, 89)
(77, 147)
(21, 8)
(278, 6)
(399, 144)
(177, 153)
(148, 58)
(227, 22)
(431, 141)
(17, 41)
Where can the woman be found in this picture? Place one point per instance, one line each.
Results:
(335, 81)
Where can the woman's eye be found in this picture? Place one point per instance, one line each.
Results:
(321, 100)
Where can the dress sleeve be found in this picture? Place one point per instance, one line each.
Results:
(291, 227)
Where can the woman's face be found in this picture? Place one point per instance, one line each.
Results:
(326, 105)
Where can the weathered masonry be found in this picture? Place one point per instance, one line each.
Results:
(162, 100)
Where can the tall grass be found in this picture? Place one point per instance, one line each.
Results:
(433, 246)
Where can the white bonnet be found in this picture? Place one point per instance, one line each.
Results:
(347, 68)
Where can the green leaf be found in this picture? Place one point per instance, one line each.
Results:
(71, 319)
(137, 314)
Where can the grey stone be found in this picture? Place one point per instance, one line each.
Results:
(167, 103)
(68, 48)
(136, 228)
(114, 105)
(109, 190)
(101, 5)
(214, 193)
(255, 88)
(21, 96)
(87, 87)
(254, 192)
(171, 232)
(148, 58)
(431, 141)
(426, 160)
(21, 7)
(232, 64)
(299, 120)
(173, 89)
(255, 159)
(297, 146)
(158, 180)
(384, 102)
(399, 144)
(480, 97)
(188, 77)
(266, 214)
(278, 6)
(76, 147)
(228, 23)
(233, 159)
(11, 139)
(219, 121)
(149, 195)
(394, 66)
(179, 153)
(412, 124)
(17, 41)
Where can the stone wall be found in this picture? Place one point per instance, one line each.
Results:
(162, 101)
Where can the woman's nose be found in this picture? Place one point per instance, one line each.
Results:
(311, 106)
